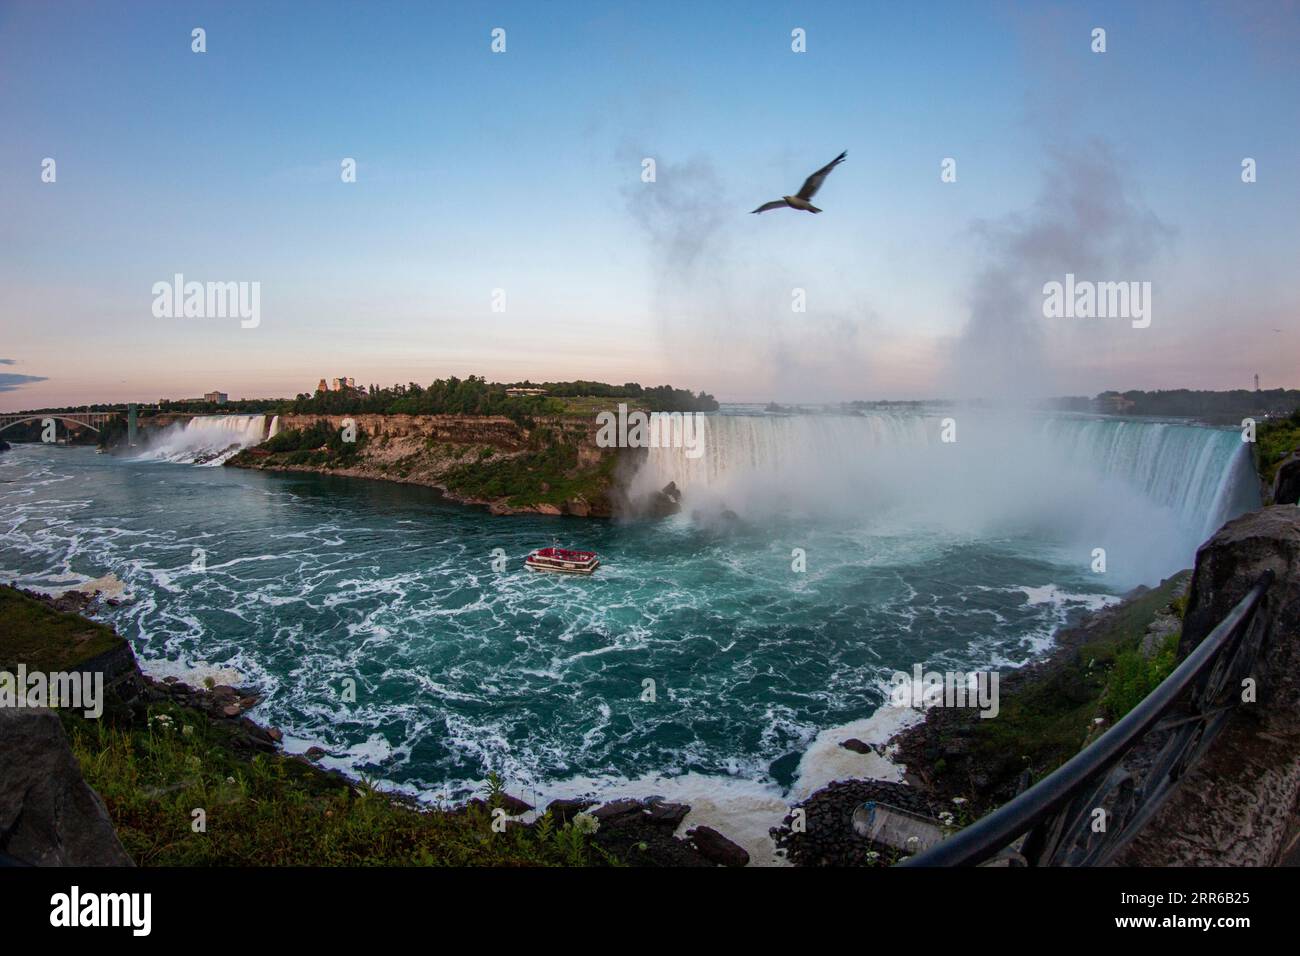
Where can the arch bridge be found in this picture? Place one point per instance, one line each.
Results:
(92, 420)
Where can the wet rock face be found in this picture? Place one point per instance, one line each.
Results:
(49, 816)
(565, 810)
(665, 502)
(716, 848)
(1286, 483)
(1227, 566)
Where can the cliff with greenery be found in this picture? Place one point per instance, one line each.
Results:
(547, 466)
(1275, 439)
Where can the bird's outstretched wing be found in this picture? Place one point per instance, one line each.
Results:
(774, 204)
(814, 182)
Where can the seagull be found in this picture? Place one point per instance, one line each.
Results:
(810, 187)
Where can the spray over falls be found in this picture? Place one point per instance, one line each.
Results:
(210, 439)
(1147, 493)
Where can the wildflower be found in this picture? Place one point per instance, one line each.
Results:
(946, 818)
(958, 800)
(187, 730)
(585, 823)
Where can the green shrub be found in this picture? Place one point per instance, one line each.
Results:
(1134, 677)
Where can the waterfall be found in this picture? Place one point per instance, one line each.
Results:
(206, 439)
(1204, 474)
(1148, 492)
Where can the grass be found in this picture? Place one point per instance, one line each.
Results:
(1133, 677)
(270, 810)
(35, 634)
(1274, 440)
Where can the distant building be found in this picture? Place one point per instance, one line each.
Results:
(339, 384)
(524, 392)
(216, 398)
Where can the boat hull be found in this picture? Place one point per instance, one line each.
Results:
(559, 569)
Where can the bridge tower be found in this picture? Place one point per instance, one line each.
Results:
(130, 424)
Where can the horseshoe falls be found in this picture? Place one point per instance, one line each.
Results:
(814, 556)
(1148, 492)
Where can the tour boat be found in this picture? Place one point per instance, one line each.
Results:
(563, 561)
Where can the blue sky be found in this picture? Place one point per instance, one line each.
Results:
(521, 171)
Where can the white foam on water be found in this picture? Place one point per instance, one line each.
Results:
(109, 586)
(826, 761)
(195, 674)
(741, 810)
(1051, 594)
(56, 585)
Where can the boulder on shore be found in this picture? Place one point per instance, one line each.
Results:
(1286, 483)
(1227, 566)
(716, 848)
(49, 816)
(564, 810)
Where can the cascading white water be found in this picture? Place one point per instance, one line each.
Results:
(207, 439)
(1204, 474)
(1147, 492)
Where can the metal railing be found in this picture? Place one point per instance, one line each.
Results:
(1053, 822)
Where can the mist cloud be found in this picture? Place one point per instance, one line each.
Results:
(722, 303)
(1085, 221)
